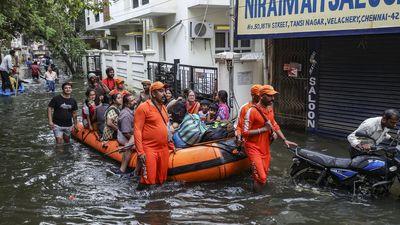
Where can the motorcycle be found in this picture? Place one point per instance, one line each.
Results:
(371, 174)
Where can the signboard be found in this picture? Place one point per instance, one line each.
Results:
(292, 69)
(245, 78)
(312, 103)
(307, 18)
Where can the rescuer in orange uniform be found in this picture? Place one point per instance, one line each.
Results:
(255, 98)
(151, 136)
(259, 123)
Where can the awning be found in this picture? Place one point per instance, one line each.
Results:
(222, 27)
(252, 56)
(134, 33)
(156, 30)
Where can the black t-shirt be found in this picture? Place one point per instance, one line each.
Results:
(63, 108)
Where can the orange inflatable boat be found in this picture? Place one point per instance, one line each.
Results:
(204, 162)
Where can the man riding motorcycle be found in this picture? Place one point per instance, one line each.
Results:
(377, 128)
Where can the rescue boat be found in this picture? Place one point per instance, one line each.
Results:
(203, 162)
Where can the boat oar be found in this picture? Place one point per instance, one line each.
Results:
(122, 149)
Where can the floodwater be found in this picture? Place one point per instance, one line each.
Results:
(44, 184)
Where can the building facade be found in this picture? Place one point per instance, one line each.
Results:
(334, 64)
(137, 32)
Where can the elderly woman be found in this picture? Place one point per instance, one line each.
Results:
(192, 106)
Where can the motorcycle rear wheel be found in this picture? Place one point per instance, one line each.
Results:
(306, 175)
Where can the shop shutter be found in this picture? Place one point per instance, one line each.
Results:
(359, 78)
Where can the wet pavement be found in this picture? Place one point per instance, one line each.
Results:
(44, 184)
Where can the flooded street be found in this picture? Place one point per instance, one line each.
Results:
(44, 184)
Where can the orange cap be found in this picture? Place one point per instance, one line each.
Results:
(118, 81)
(156, 86)
(255, 89)
(268, 89)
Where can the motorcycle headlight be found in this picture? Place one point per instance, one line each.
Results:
(392, 168)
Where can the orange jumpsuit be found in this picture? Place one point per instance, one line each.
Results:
(242, 114)
(257, 146)
(151, 138)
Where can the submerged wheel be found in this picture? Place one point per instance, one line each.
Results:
(305, 175)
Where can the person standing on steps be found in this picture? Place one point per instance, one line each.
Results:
(62, 114)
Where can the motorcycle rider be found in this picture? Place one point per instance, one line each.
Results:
(377, 128)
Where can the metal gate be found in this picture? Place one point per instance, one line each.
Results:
(359, 78)
(290, 104)
(203, 80)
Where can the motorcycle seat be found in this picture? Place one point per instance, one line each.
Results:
(324, 160)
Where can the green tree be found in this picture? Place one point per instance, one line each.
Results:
(58, 22)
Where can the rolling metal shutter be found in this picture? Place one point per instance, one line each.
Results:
(359, 78)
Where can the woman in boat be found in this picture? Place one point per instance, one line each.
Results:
(111, 118)
(223, 109)
(192, 106)
(89, 110)
(168, 96)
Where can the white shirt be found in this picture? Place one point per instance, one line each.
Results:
(6, 64)
(373, 128)
(50, 76)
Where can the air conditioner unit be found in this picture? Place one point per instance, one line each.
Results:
(201, 29)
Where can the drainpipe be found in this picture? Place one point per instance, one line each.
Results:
(231, 40)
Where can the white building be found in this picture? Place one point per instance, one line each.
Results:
(194, 31)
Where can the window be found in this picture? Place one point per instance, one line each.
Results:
(222, 43)
(138, 43)
(97, 17)
(88, 20)
(135, 3)
(144, 2)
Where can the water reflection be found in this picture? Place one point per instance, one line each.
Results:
(44, 183)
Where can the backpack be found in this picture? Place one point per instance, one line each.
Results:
(219, 130)
(191, 129)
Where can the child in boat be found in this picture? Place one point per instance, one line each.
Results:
(203, 113)
(212, 113)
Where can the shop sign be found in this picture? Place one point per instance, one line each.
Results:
(307, 18)
(312, 95)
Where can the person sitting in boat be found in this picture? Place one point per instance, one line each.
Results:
(212, 113)
(109, 80)
(89, 110)
(100, 113)
(223, 109)
(168, 96)
(204, 106)
(111, 118)
(120, 88)
(144, 95)
(98, 86)
(125, 132)
(190, 129)
(189, 98)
